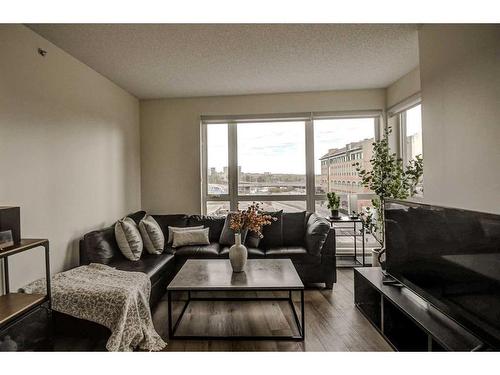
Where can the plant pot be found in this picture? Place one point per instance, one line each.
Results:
(378, 258)
(238, 254)
(375, 256)
(335, 214)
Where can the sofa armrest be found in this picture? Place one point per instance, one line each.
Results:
(329, 247)
(317, 229)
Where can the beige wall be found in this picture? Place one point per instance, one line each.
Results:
(170, 137)
(460, 74)
(406, 86)
(69, 148)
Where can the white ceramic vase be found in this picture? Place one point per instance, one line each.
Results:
(238, 254)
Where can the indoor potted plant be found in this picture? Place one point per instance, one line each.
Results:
(388, 178)
(333, 204)
(252, 219)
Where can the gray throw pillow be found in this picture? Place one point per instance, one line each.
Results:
(128, 238)
(227, 235)
(317, 229)
(191, 237)
(179, 229)
(152, 235)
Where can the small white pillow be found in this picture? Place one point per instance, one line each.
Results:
(152, 235)
(128, 238)
(191, 237)
(179, 229)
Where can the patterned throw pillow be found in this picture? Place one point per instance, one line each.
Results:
(191, 237)
(128, 238)
(152, 235)
(179, 229)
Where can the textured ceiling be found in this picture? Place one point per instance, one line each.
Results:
(183, 60)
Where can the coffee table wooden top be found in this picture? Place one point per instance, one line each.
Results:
(217, 274)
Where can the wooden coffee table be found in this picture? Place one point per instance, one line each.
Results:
(216, 275)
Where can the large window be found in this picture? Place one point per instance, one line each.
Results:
(271, 158)
(288, 164)
(338, 144)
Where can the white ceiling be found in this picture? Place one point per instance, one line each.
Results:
(185, 60)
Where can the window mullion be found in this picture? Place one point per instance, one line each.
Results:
(310, 176)
(233, 165)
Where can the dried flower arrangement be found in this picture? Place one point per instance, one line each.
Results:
(252, 219)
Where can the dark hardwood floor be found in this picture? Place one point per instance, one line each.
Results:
(332, 323)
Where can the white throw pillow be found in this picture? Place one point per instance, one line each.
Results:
(179, 229)
(128, 238)
(191, 237)
(152, 235)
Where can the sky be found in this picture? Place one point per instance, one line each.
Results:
(279, 147)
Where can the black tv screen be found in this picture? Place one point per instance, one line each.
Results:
(451, 258)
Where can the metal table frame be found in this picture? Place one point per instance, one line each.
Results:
(300, 323)
(354, 234)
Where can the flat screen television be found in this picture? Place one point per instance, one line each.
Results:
(451, 258)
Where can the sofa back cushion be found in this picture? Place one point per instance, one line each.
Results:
(99, 246)
(137, 216)
(215, 223)
(175, 220)
(273, 233)
(294, 228)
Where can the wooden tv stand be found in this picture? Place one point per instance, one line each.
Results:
(406, 321)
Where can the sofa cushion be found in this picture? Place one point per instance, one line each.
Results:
(152, 235)
(273, 233)
(150, 264)
(190, 237)
(215, 223)
(294, 228)
(295, 253)
(171, 230)
(128, 238)
(317, 229)
(227, 235)
(175, 220)
(252, 252)
(199, 251)
(99, 246)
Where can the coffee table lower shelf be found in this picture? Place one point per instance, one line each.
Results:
(300, 323)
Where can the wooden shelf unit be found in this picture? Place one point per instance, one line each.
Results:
(20, 311)
(405, 320)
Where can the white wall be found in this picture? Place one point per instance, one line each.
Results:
(69, 148)
(170, 137)
(460, 78)
(404, 87)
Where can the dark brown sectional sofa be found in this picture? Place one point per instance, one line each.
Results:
(298, 236)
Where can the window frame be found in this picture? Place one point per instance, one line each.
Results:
(399, 113)
(310, 198)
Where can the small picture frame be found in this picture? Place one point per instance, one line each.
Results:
(6, 239)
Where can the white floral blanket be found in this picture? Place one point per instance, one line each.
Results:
(118, 300)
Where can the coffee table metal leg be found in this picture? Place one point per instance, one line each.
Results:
(302, 310)
(169, 296)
